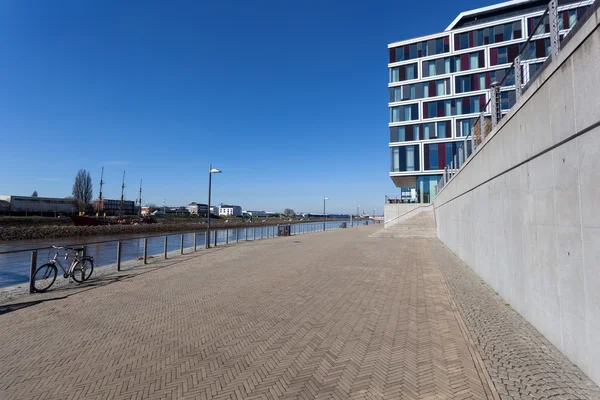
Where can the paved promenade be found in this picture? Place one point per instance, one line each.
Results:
(335, 315)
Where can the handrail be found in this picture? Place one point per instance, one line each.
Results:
(401, 215)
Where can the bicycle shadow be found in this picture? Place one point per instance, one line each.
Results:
(7, 308)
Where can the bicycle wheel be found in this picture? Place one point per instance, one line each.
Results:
(83, 270)
(44, 277)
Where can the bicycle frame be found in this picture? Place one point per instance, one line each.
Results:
(56, 260)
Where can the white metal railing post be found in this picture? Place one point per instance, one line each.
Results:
(518, 77)
(553, 20)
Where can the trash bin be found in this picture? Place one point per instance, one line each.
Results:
(343, 225)
(283, 230)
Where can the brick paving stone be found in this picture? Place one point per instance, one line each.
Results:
(334, 315)
(522, 363)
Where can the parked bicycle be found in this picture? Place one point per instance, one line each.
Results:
(80, 270)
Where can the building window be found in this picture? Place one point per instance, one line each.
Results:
(463, 62)
(495, 34)
(420, 90)
(463, 127)
(405, 113)
(405, 158)
(421, 49)
(403, 73)
(459, 106)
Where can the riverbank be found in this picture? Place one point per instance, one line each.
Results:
(26, 232)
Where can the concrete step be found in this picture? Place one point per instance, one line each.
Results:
(419, 225)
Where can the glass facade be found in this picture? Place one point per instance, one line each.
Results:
(432, 130)
(427, 187)
(421, 90)
(437, 155)
(420, 49)
(404, 73)
(490, 35)
(405, 158)
(460, 106)
(436, 102)
(404, 113)
(447, 65)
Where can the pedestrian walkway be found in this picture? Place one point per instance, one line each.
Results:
(419, 225)
(331, 315)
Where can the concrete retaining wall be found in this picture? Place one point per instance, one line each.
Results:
(524, 211)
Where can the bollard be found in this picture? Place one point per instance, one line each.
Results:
(145, 250)
(195, 240)
(119, 255)
(32, 268)
(181, 250)
(227, 236)
(166, 240)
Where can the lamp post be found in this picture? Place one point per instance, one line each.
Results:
(211, 171)
(324, 215)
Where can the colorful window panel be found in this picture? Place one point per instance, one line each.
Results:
(405, 159)
(404, 73)
(446, 65)
(421, 49)
(421, 90)
(437, 155)
(491, 35)
(460, 106)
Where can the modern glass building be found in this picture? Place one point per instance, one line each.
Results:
(439, 83)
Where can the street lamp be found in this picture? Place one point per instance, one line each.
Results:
(211, 171)
(324, 215)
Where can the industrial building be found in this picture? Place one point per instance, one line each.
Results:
(44, 206)
(230, 211)
(198, 209)
(113, 207)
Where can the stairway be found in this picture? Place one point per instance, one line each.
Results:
(419, 225)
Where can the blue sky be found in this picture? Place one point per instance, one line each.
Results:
(289, 99)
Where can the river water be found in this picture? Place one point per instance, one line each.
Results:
(14, 266)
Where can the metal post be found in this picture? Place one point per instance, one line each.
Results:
(216, 234)
(195, 240)
(146, 250)
(553, 19)
(119, 255)
(496, 106)
(482, 126)
(518, 77)
(32, 268)
(166, 241)
(472, 140)
(83, 251)
(246, 234)
(237, 235)
(208, 212)
(227, 236)
(181, 250)
(261, 232)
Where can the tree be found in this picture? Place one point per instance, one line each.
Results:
(34, 194)
(82, 189)
(151, 207)
(288, 212)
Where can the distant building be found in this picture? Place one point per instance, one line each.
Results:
(214, 210)
(23, 205)
(177, 210)
(256, 213)
(113, 207)
(145, 211)
(197, 208)
(230, 211)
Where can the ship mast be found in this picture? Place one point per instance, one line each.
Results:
(122, 197)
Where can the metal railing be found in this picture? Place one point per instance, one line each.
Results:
(135, 251)
(525, 68)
